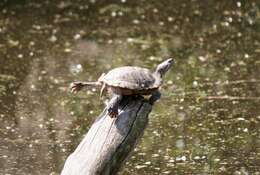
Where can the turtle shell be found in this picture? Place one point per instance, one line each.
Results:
(129, 77)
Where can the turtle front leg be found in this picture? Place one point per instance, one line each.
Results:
(113, 105)
(155, 96)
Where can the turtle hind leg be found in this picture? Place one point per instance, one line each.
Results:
(79, 85)
(156, 95)
(113, 105)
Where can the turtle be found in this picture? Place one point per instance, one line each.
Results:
(128, 80)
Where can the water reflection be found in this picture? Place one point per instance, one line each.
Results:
(210, 125)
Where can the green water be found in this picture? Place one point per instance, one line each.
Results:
(208, 119)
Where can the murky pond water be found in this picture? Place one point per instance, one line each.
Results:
(208, 119)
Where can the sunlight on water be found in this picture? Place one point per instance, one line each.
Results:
(208, 119)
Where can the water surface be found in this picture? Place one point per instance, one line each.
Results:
(208, 119)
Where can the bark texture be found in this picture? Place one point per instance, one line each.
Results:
(109, 141)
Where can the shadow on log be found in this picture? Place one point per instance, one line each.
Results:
(110, 140)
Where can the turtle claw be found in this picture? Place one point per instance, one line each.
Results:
(112, 112)
(75, 87)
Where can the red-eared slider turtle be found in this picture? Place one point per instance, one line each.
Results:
(128, 80)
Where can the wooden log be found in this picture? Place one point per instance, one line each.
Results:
(110, 140)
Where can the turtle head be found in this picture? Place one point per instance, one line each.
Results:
(164, 67)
